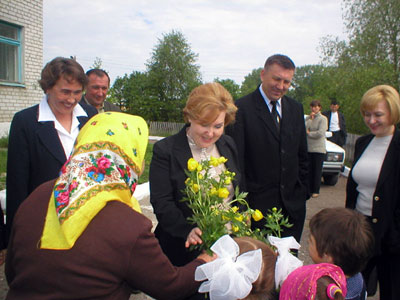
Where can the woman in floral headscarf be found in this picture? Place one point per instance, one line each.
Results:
(90, 240)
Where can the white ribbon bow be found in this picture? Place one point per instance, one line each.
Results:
(286, 262)
(229, 277)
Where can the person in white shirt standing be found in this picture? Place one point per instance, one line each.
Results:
(336, 124)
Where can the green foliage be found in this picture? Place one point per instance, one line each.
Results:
(4, 142)
(251, 82)
(173, 74)
(149, 154)
(231, 86)
(97, 63)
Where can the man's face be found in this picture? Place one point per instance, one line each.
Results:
(276, 81)
(334, 107)
(96, 90)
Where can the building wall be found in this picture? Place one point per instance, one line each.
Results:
(29, 15)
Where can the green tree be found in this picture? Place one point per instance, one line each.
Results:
(232, 87)
(251, 82)
(374, 32)
(97, 63)
(173, 74)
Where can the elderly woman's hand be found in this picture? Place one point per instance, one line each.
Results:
(194, 237)
(206, 257)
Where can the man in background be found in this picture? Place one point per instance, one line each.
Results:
(97, 89)
(271, 139)
(336, 124)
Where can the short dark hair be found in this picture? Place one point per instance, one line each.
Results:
(98, 73)
(69, 68)
(334, 101)
(282, 60)
(315, 103)
(345, 235)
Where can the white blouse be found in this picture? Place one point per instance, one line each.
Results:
(366, 172)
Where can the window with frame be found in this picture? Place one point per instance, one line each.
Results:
(10, 53)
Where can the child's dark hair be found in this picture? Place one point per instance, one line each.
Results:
(327, 289)
(264, 286)
(345, 235)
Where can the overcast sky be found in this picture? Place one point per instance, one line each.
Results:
(231, 37)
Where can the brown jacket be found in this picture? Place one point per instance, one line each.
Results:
(116, 253)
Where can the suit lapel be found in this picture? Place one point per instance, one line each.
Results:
(48, 136)
(181, 149)
(262, 111)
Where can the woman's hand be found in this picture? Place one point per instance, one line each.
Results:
(207, 258)
(194, 237)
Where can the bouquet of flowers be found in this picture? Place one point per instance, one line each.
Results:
(215, 217)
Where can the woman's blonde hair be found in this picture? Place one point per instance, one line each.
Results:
(264, 286)
(382, 93)
(207, 101)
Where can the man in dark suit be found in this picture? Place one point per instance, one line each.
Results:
(42, 136)
(270, 135)
(336, 124)
(96, 91)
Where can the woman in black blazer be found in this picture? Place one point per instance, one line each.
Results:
(208, 110)
(42, 136)
(373, 187)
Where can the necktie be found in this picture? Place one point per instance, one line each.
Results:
(275, 115)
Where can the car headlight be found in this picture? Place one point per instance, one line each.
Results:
(334, 156)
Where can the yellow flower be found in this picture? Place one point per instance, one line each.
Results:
(225, 218)
(228, 180)
(187, 181)
(223, 193)
(235, 228)
(201, 176)
(222, 160)
(192, 164)
(199, 168)
(239, 218)
(213, 191)
(214, 161)
(257, 215)
(274, 209)
(195, 188)
(235, 209)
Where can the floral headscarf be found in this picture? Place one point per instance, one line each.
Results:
(301, 284)
(104, 166)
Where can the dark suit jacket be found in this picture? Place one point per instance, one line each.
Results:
(342, 125)
(35, 155)
(275, 166)
(386, 198)
(108, 106)
(116, 253)
(167, 181)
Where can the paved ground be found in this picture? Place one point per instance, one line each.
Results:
(331, 196)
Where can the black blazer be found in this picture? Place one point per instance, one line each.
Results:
(35, 155)
(167, 181)
(275, 166)
(386, 203)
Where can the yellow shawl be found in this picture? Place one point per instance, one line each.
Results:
(104, 166)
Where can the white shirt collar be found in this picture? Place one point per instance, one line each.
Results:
(268, 102)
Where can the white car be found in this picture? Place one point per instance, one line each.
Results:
(334, 162)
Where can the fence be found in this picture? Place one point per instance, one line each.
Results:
(164, 128)
(349, 147)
